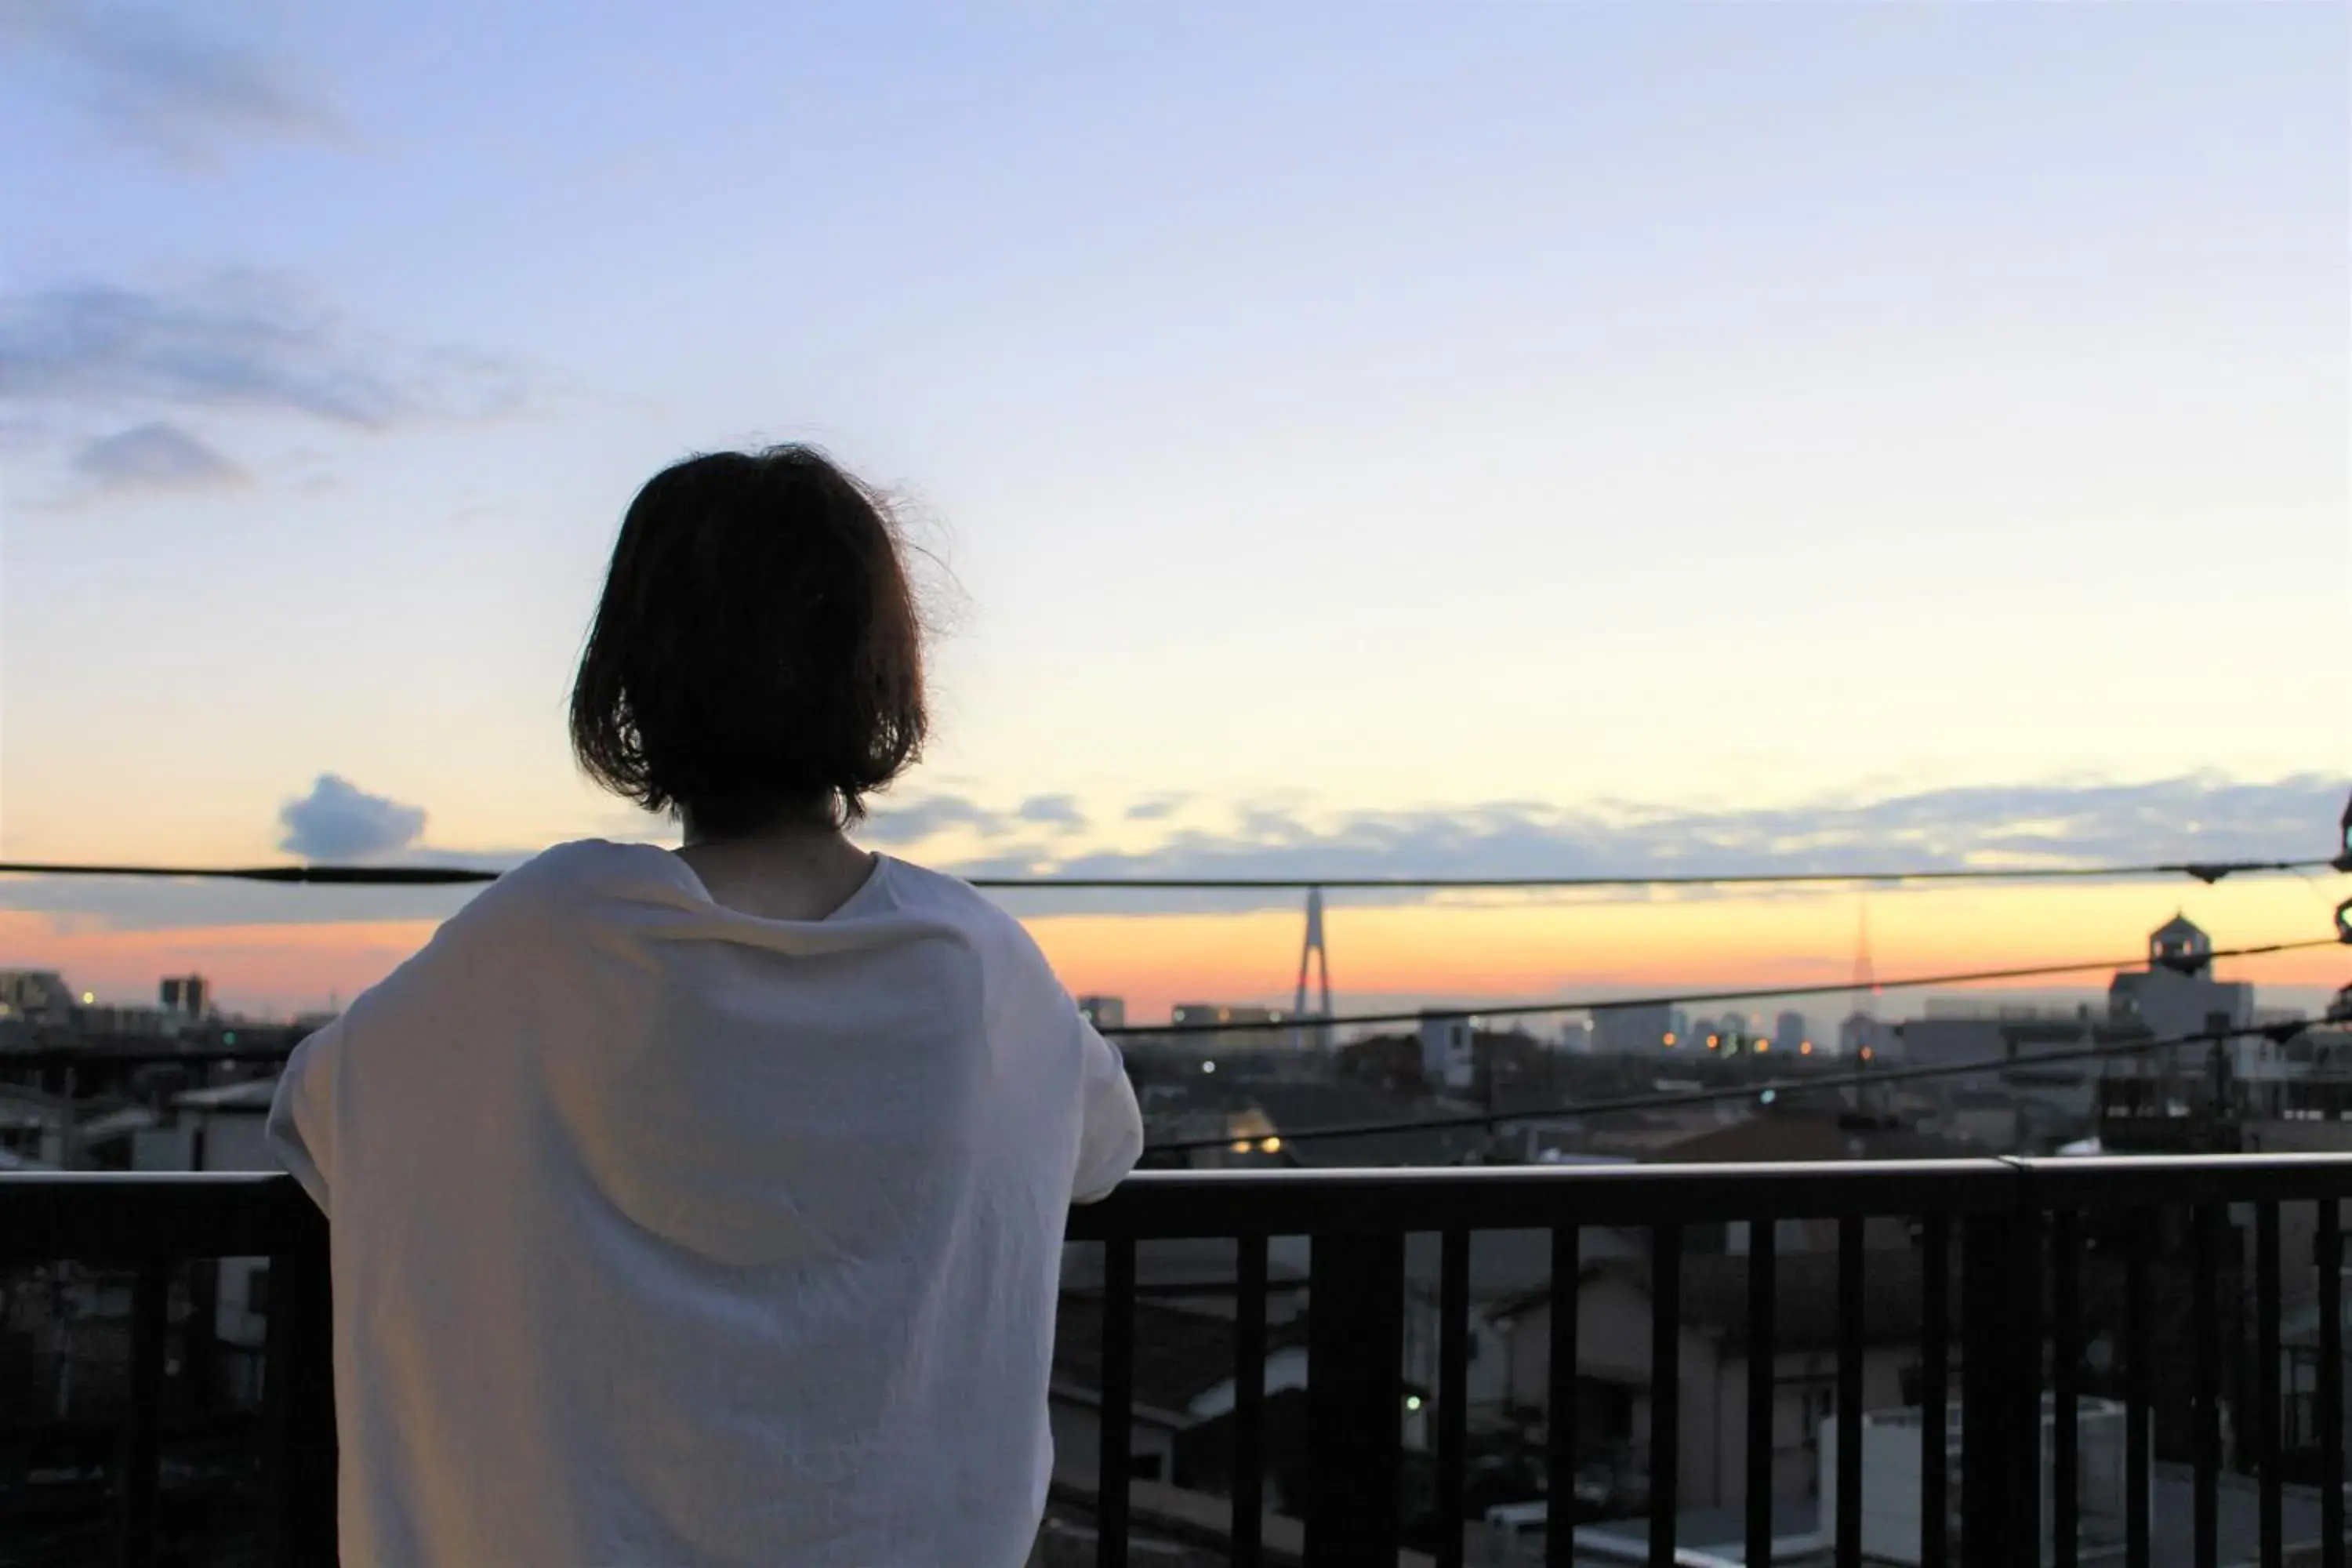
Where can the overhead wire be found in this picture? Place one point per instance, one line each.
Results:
(2206, 871)
(87, 1055)
(1765, 1090)
(1680, 998)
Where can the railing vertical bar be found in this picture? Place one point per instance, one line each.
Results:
(2266, 1422)
(1763, 1357)
(1453, 1391)
(2205, 1520)
(1934, 1369)
(2065, 1361)
(1356, 1399)
(1249, 1403)
(1849, 1394)
(1666, 1389)
(2330, 1240)
(2139, 1226)
(1113, 1455)
(135, 1491)
(298, 1398)
(1559, 1426)
(2024, 1372)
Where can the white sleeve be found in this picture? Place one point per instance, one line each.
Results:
(300, 1129)
(1111, 1126)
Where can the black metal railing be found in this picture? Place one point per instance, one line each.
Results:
(2005, 1244)
(2018, 1258)
(148, 1226)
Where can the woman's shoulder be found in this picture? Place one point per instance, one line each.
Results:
(948, 899)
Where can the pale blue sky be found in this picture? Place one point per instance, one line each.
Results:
(1367, 406)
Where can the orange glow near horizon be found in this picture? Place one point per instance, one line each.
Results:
(1489, 949)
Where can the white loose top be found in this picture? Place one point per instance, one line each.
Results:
(668, 1235)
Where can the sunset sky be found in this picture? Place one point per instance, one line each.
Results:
(1346, 440)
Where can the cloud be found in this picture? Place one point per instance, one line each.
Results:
(2170, 820)
(241, 340)
(911, 821)
(337, 821)
(2080, 824)
(1155, 809)
(155, 455)
(1055, 811)
(175, 82)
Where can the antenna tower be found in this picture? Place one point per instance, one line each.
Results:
(1316, 954)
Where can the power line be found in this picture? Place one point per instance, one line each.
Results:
(1681, 998)
(84, 1056)
(388, 876)
(2206, 871)
(1860, 1077)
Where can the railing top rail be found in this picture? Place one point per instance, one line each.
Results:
(1167, 1203)
(111, 1216)
(92, 1215)
(2138, 1181)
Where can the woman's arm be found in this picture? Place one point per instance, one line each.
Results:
(1111, 1126)
(301, 1123)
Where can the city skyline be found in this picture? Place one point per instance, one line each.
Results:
(1553, 438)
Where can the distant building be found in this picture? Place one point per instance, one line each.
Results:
(190, 995)
(1104, 1012)
(1575, 1038)
(1792, 1033)
(36, 995)
(1199, 1019)
(1860, 1031)
(2177, 994)
(1639, 1030)
(1447, 1059)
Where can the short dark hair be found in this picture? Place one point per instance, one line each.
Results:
(757, 654)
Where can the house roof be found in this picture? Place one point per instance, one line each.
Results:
(1293, 1108)
(1804, 1296)
(1804, 1134)
(254, 1094)
(1179, 1355)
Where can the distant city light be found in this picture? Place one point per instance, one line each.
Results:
(1713, 1041)
(1270, 1146)
(1208, 1067)
(1805, 1048)
(229, 1038)
(1867, 1053)
(1241, 1145)
(1767, 1096)
(1763, 1046)
(1412, 1402)
(1669, 1039)
(87, 997)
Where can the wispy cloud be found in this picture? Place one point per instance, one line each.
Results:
(1057, 812)
(243, 342)
(340, 821)
(175, 82)
(155, 455)
(2027, 825)
(2167, 820)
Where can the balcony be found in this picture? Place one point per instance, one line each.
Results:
(1979, 1364)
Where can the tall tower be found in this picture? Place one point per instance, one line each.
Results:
(1861, 1031)
(1319, 955)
